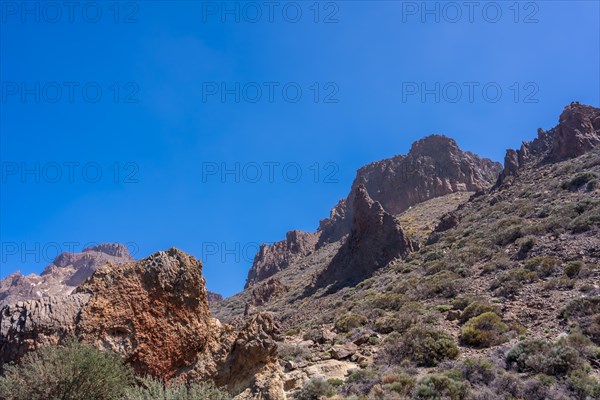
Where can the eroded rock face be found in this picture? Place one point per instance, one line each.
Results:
(28, 324)
(272, 259)
(435, 166)
(213, 297)
(153, 312)
(577, 132)
(375, 239)
(63, 275)
(252, 360)
(266, 291)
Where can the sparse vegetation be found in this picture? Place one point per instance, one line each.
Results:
(424, 346)
(484, 330)
(539, 356)
(315, 389)
(293, 352)
(441, 386)
(579, 180)
(71, 372)
(349, 321)
(154, 389)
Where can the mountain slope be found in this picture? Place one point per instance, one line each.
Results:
(515, 265)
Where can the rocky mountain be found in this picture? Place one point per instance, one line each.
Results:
(274, 258)
(504, 279)
(578, 132)
(63, 275)
(375, 239)
(66, 272)
(435, 166)
(438, 277)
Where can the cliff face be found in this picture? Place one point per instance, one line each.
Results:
(375, 239)
(154, 312)
(63, 275)
(435, 166)
(272, 259)
(577, 132)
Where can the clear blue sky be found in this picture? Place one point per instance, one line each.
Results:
(171, 59)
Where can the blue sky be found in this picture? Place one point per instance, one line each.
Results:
(340, 85)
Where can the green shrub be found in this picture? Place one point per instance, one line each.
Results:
(579, 180)
(441, 386)
(510, 282)
(586, 313)
(508, 289)
(424, 346)
(349, 321)
(72, 372)
(585, 222)
(543, 265)
(508, 235)
(461, 302)
(444, 284)
(387, 301)
(573, 268)
(399, 383)
(525, 245)
(478, 371)
(335, 382)
(386, 324)
(485, 330)
(582, 344)
(559, 283)
(540, 357)
(315, 389)
(583, 385)
(153, 389)
(474, 309)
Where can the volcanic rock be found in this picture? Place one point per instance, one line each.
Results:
(435, 166)
(577, 132)
(376, 238)
(153, 312)
(264, 292)
(272, 259)
(213, 297)
(63, 275)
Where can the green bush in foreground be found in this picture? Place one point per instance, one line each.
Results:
(153, 389)
(424, 346)
(72, 372)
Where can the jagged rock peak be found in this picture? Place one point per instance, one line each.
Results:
(577, 132)
(214, 297)
(61, 276)
(433, 145)
(375, 239)
(112, 249)
(435, 166)
(278, 256)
